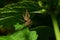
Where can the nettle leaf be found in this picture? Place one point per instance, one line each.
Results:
(19, 7)
(24, 34)
(6, 18)
(18, 26)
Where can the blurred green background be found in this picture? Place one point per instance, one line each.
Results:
(44, 22)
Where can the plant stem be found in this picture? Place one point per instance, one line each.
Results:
(55, 26)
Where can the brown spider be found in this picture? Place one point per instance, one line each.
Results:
(27, 18)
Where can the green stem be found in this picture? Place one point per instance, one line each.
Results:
(55, 26)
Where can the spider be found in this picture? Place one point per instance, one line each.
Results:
(27, 18)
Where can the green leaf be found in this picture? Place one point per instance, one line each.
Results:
(18, 26)
(24, 34)
(20, 6)
(34, 37)
(6, 18)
